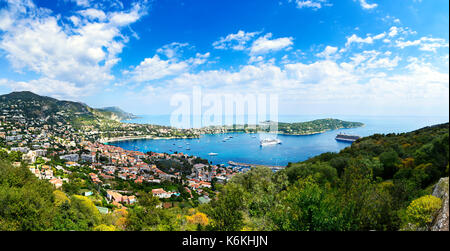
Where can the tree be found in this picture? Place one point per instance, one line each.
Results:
(26, 203)
(322, 172)
(198, 219)
(60, 198)
(305, 206)
(85, 210)
(389, 160)
(226, 212)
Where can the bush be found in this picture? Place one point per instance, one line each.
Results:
(420, 212)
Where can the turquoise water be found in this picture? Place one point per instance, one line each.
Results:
(245, 148)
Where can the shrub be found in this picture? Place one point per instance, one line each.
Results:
(420, 212)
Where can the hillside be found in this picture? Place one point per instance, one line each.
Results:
(33, 106)
(315, 126)
(298, 128)
(381, 182)
(116, 111)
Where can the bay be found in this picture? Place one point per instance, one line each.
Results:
(245, 148)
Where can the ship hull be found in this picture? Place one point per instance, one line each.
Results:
(346, 140)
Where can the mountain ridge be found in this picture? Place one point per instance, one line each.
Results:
(49, 105)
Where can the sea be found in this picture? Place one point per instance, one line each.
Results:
(245, 148)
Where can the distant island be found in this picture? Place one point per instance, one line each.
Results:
(298, 128)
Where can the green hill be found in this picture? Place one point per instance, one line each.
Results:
(33, 106)
(121, 114)
(369, 185)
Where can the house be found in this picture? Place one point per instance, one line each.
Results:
(160, 193)
(57, 182)
(70, 157)
(88, 157)
(72, 164)
(113, 196)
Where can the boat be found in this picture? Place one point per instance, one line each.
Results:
(347, 138)
(213, 154)
(268, 142)
(188, 148)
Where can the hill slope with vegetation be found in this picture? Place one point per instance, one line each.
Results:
(34, 106)
(381, 182)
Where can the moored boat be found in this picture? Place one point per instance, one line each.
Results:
(347, 138)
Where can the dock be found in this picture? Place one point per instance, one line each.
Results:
(236, 164)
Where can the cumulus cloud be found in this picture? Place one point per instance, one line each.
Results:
(366, 5)
(264, 44)
(324, 81)
(82, 54)
(327, 52)
(172, 49)
(313, 4)
(55, 88)
(256, 46)
(82, 3)
(368, 40)
(424, 43)
(236, 41)
(155, 68)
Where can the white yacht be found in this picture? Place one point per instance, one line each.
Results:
(268, 142)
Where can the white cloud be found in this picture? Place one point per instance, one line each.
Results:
(82, 3)
(172, 49)
(393, 31)
(424, 43)
(155, 68)
(324, 81)
(82, 54)
(264, 44)
(327, 52)
(236, 41)
(51, 87)
(366, 5)
(368, 40)
(313, 4)
(93, 14)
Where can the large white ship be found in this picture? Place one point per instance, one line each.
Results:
(268, 142)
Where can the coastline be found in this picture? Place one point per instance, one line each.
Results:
(126, 138)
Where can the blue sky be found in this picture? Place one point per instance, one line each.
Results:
(320, 56)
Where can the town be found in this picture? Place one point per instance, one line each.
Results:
(77, 160)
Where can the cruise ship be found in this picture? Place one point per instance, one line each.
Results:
(347, 138)
(268, 142)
